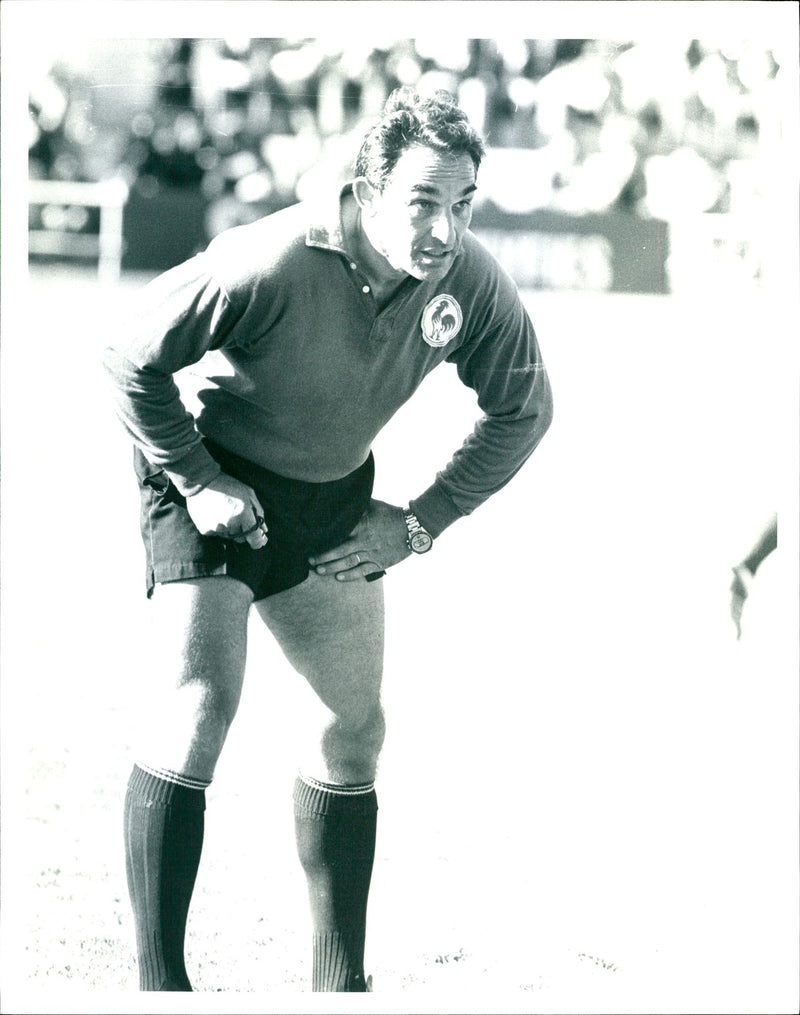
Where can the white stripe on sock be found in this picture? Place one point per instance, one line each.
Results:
(337, 789)
(174, 777)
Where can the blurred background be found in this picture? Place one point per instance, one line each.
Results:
(614, 165)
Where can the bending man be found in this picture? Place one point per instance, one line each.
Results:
(307, 330)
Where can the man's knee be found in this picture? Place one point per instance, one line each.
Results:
(352, 743)
(372, 729)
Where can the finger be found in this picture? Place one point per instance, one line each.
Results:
(354, 574)
(340, 552)
(736, 616)
(259, 538)
(259, 524)
(368, 570)
(346, 562)
(248, 526)
(256, 536)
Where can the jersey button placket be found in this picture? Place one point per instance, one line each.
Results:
(365, 289)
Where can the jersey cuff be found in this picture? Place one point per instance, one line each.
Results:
(194, 471)
(435, 510)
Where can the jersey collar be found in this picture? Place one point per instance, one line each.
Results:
(326, 230)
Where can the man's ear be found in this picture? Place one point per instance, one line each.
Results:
(363, 192)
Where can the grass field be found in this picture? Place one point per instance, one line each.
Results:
(589, 788)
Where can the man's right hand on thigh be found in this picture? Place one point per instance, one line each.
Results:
(229, 509)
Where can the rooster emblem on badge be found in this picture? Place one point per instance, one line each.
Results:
(441, 320)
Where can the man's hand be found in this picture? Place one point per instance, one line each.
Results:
(377, 542)
(229, 509)
(740, 590)
(745, 571)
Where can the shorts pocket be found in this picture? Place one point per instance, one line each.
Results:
(150, 475)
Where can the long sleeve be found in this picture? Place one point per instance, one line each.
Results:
(179, 317)
(300, 371)
(504, 366)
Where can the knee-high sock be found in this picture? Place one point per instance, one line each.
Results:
(335, 829)
(164, 818)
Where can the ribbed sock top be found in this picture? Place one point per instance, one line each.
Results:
(323, 799)
(161, 790)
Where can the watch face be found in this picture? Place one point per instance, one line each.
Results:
(420, 542)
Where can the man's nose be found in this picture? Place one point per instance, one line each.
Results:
(443, 229)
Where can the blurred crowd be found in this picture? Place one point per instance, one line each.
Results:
(652, 129)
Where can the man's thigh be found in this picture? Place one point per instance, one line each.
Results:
(333, 634)
(199, 630)
(194, 664)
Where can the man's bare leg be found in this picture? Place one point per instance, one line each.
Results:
(333, 633)
(198, 652)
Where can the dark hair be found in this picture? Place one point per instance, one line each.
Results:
(408, 119)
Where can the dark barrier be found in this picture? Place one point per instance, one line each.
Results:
(550, 250)
(608, 252)
(163, 229)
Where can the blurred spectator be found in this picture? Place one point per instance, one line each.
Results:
(580, 111)
(652, 129)
(47, 108)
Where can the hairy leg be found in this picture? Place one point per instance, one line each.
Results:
(333, 634)
(197, 662)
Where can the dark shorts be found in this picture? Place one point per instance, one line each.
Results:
(302, 518)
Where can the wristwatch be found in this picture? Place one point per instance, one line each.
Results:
(419, 540)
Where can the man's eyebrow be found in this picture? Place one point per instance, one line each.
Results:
(424, 188)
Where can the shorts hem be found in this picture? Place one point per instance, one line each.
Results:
(164, 574)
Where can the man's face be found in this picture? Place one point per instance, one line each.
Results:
(419, 219)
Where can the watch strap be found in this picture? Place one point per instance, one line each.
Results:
(419, 539)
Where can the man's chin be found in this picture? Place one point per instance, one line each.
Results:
(432, 271)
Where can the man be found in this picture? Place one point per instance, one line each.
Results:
(309, 329)
(745, 571)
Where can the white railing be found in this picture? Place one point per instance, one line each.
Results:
(106, 245)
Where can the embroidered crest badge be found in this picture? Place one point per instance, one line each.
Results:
(441, 320)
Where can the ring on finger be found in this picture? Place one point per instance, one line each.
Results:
(260, 524)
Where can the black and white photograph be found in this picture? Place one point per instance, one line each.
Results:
(400, 532)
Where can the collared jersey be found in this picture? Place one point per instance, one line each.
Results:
(298, 368)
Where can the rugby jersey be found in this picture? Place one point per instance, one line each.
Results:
(297, 368)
